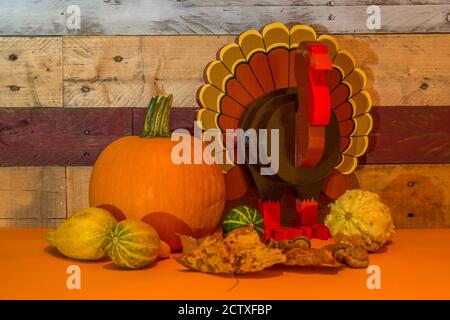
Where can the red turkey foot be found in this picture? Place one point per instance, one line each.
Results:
(271, 215)
(272, 227)
(306, 220)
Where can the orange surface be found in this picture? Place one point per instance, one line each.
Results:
(417, 265)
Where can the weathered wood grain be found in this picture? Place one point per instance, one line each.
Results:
(31, 72)
(162, 17)
(31, 223)
(77, 186)
(407, 134)
(226, 3)
(127, 71)
(76, 136)
(401, 69)
(418, 195)
(59, 136)
(32, 193)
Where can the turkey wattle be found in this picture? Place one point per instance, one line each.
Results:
(309, 89)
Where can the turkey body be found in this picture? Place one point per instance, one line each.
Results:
(277, 110)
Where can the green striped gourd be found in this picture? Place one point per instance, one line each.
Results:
(243, 216)
(132, 244)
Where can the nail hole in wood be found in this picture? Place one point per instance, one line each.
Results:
(331, 3)
(410, 215)
(448, 17)
(12, 57)
(14, 88)
(85, 89)
(411, 184)
(118, 58)
(424, 86)
(86, 154)
(331, 17)
(86, 131)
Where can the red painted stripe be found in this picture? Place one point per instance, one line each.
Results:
(76, 136)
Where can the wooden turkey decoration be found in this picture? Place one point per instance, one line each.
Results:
(308, 88)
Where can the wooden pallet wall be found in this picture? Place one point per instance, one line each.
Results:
(65, 94)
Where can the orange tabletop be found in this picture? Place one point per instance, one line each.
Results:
(415, 266)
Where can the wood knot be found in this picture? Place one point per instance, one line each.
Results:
(331, 3)
(14, 88)
(424, 86)
(85, 89)
(410, 215)
(17, 134)
(86, 154)
(118, 58)
(411, 183)
(12, 57)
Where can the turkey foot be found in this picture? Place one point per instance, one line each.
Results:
(272, 227)
(306, 220)
(271, 214)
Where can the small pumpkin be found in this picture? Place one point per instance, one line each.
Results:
(361, 213)
(135, 177)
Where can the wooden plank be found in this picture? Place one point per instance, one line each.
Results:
(163, 17)
(76, 136)
(59, 136)
(401, 69)
(31, 72)
(32, 193)
(77, 183)
(31, 223)
(409, 135)
(226, 3)
(418, 195)
(148, 66)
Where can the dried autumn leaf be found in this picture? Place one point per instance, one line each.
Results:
(189, 243)
(311, 258)
(241, 251)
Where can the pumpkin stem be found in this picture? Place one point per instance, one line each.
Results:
(157, 118)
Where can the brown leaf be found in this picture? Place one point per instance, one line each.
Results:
(241, 251)
(310, 258)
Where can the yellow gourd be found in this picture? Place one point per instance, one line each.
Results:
(361, 213)
(83, 235)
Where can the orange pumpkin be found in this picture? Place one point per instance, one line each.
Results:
(135, 177)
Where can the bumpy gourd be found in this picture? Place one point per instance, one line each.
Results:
(361, 213)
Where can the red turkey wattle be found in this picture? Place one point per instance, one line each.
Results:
(311, 91)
